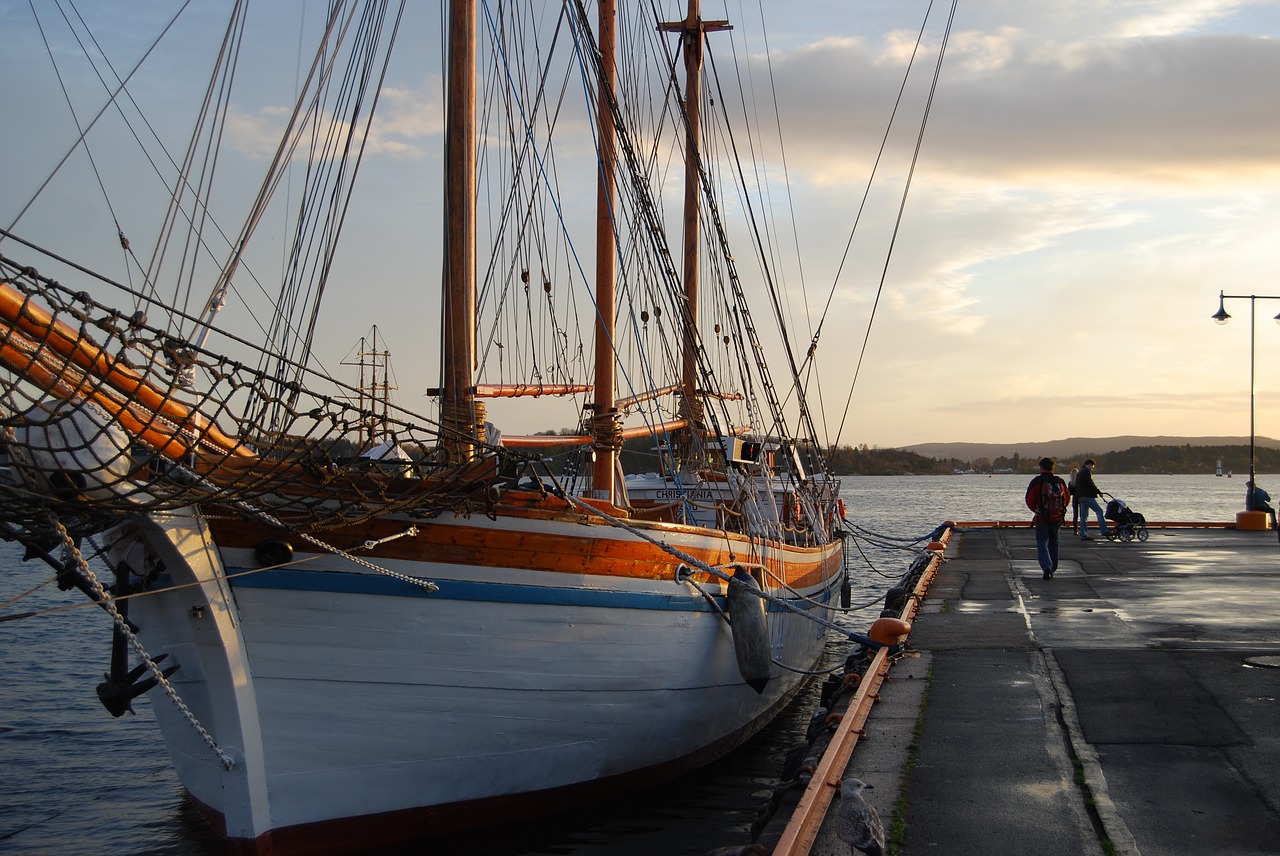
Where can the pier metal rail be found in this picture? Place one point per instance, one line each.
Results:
(802, 830)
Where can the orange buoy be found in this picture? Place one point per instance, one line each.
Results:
(936, 547)
(888, 631)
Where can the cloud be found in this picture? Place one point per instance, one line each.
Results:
(1015, 108)
(1156, 18)
(407, 122)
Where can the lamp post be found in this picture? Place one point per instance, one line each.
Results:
(1222, 317)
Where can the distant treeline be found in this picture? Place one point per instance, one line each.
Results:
(1186, 459)
(638, 455)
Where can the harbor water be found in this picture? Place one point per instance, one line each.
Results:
(78, 781)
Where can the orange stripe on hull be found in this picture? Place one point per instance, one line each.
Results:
(594, 553)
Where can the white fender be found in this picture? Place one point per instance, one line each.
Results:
(750, 632)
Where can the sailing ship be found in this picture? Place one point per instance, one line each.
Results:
(353, 637)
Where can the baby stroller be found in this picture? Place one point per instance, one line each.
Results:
(1126, 524)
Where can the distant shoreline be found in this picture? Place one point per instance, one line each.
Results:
(1140, 459)
(1075, 446)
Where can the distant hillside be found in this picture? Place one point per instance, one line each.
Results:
(1072, 446)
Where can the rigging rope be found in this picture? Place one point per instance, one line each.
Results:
(902, 204)
(721, 575)
(110, 101)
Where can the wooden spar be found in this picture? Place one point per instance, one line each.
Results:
(35, 324)
(691, 30)
(534, 441)
(605, 465)
(520, 390)
(457, 403)
(545, 441)
(648, 395)
(60, 376)
(660, 428)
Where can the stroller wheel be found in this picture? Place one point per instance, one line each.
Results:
(1127, 534)
(1111, 534)
(1142, 533)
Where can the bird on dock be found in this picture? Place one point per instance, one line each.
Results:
(857, 823)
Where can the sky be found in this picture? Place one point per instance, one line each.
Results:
(1091, 176)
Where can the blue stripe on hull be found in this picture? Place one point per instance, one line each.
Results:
(343, 583)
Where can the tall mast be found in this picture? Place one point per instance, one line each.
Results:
(373, 393)
(457, 397)
(691, 30)
(381, 403)
(605, 427)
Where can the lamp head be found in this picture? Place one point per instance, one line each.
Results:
(1221, 315)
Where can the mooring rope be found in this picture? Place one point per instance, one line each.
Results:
(728, 578)
(817, 603)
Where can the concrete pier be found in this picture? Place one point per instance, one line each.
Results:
(1129, 705)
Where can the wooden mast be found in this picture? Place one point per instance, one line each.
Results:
(457, 399)
(606, 424)
(691, 30)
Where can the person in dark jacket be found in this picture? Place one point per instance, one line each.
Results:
(1075, 502)
(1087, 494)
(1047, 497)
(1257, 499)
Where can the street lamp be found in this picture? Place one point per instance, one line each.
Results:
(1222, 317)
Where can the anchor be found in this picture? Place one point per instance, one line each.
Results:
(118, 691)
(121, 685)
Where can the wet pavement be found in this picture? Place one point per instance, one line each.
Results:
(1132, 702)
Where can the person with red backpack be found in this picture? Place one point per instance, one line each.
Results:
(1047, 497)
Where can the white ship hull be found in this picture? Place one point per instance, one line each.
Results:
(360, 708)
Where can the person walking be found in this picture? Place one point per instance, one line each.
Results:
(1087, 494)
(1075, 502)
(1047, 497)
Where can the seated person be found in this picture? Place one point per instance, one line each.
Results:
(1257, 499)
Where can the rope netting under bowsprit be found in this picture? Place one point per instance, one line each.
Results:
(97, 425)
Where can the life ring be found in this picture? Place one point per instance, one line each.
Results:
(833, 511)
